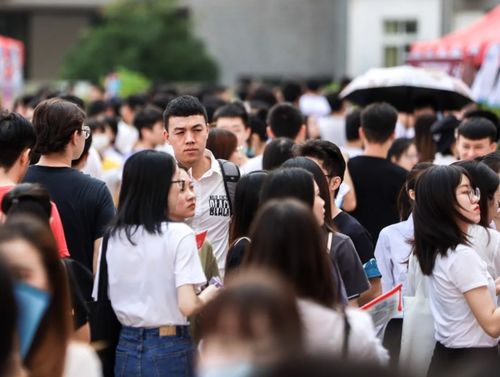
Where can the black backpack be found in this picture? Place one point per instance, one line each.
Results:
(231, 174)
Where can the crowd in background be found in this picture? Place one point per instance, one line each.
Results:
(238, 233)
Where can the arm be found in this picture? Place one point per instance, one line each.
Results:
(485, 311)
(189, 302)
(350, 201)
(384, 262)
(97, 250)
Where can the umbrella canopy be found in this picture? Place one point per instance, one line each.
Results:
(402, 86)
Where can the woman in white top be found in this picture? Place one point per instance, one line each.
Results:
(394, 241)
(461, 290)
(154, 269)
(287, 239)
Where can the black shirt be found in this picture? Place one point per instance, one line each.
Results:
(377, 183)
(84, 203)
(360, 237)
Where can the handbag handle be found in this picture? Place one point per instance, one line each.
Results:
(102, 287)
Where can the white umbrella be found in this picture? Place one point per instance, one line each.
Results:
(403, 85)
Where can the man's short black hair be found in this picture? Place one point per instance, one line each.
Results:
(232, 110)
(378, 121)
(257, 124)
(285, 120)
(352, 125)
(16, 134)
(96, 108)
(147, 117)
(291, 91)
(327, 152)
(135, 101)
(477, 128)
(184, 106)
(490, 115)
(334, 101)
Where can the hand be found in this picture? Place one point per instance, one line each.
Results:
(209, 293)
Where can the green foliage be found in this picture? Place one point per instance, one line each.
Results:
(132, 82)
(145, 36)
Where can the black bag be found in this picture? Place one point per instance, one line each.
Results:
(104, 326)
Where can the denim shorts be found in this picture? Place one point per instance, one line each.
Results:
(143, 352)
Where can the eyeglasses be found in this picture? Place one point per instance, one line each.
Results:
(181, 183)
(86, 131)
(474, 195)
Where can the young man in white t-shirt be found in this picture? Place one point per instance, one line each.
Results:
(186, 130)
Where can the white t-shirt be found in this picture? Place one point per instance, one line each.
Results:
(487, 244)
(252, 164)
(332, 128)
(315, 105)
(455, 274)
(126, 137)
(143, 278)
(212, 211)
(324, 332)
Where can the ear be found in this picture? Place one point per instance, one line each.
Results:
(302, 134)
(166, 136)
(270, 132)
(248, 132)
(74, 137)
(24, 158)
(361, 133)
(335, 183)
(493, 147)
(411, 194)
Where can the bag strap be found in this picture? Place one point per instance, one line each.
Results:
(347, 331)
(102, 288)
(231, 175)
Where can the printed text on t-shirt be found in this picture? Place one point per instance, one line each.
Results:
(219, 205)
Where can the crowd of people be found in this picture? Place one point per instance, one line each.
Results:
(240, 233)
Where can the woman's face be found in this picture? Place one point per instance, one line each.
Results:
(25, 263)
(409, 158)
(493, 205)
(318, 206)
(175, 189)
(186, 202)
(468, 202)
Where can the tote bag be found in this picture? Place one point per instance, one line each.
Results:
(417, 339)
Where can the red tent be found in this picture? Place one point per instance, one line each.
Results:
(469, 43)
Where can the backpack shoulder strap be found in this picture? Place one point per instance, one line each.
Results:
(231, 175)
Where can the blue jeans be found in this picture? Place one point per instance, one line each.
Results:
(144, 353)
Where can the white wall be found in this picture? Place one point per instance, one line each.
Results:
(365, 37)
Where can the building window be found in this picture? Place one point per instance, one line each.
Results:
(397, 38)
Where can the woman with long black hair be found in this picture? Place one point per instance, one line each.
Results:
(154, 271)
(461, 290)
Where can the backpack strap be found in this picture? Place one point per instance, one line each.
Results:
(231, 175)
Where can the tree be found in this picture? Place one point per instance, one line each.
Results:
(151, 37)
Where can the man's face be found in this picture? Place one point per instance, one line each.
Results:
(188, 137)
(155, 135)
(470, 149)
(236, 126)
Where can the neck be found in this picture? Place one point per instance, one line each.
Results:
(354, 144)
(201, 166)
(8, 178)
(335, 210)
(56, 160)
(141, 145)
(377, 150)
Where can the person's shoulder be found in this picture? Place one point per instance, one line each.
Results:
(341, 237)
(178, 228)
(358, 318)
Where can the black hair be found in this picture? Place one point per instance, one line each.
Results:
(291, 91)
(320, 179)
(352, 125)
(334, 101)
(313, 85)
(436, 213)
(147, 117)
(73, 99)
(96, 108)
(184, 106)
(492, 160)
(286, 237)
(222, 143)
(285, 120)
(477, 128)
(16, 135)
(232, 110)
(426, 146)
(443, 132)
(257, 123)
(399, 147)
(423, 102)
(161, 100)
(276, 152)
(135, 101)
(405, 204)
(8, 318)
(28, 198)
(143, 200)
(325, 151)
(490, 115)
(263, 95)
(378, 121)
(295, 183)
(486, 180)
(211, 104)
